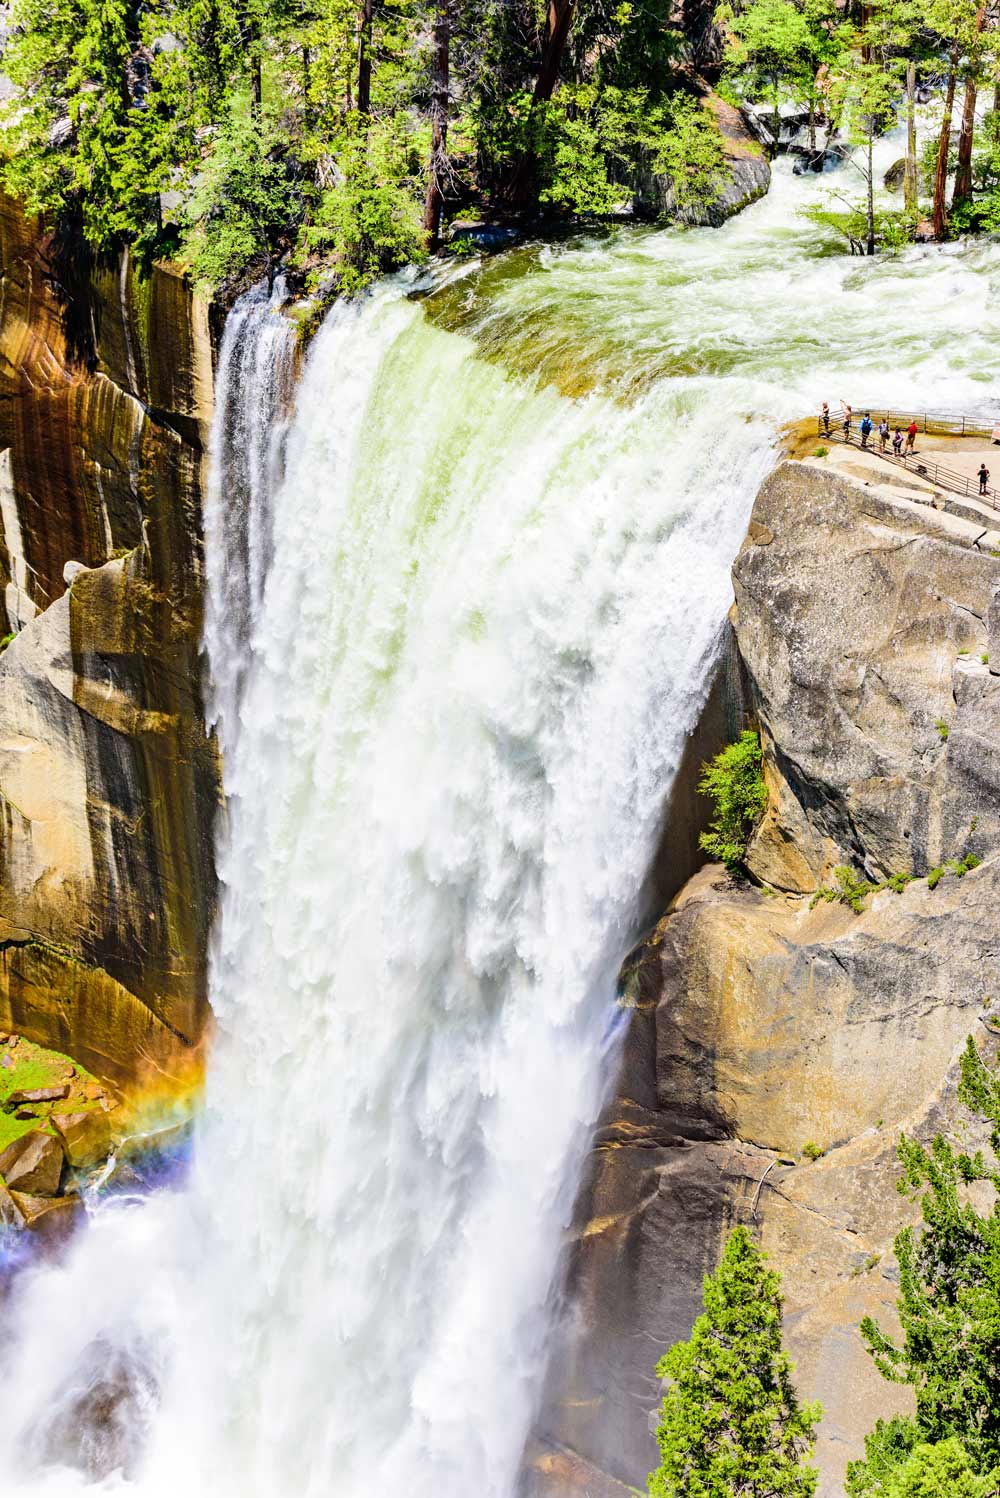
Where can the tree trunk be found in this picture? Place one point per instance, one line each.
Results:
(910, 172)
(256, 82)
(941, 175)
(439, 126)
(963, 174)
(870, 247)
(812, 128)
(560, 22)
(366, 15)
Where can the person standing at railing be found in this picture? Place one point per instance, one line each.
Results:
(866, 428)
(825, 418)
(848, 417)
(984, 477)
(897, 443)
(883, 434)
(911, 437)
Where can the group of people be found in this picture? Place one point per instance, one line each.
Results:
(866, 428)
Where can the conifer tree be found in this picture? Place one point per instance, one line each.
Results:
(730, 1424)
(949, 1304)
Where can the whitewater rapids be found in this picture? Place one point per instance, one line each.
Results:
(463, 610)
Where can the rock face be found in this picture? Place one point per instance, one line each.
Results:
(748, 175)
(108, 781)
(761, 1025)
(862, 620)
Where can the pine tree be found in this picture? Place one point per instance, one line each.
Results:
(949, 1303)
(731, 1425)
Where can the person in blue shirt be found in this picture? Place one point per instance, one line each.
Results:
(866, 428)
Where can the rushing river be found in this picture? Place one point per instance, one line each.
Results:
(462, 617)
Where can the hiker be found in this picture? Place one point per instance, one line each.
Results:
(847, 423)
(911, 437)
(825, 417)
(866, 428)
(883, 434)
(984, 474)
(897, 443)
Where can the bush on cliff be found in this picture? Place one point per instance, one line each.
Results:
(730, 1421)
(942, 1470)
(949, 1311)
(735, 781)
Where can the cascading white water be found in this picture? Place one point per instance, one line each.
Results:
(497, 563)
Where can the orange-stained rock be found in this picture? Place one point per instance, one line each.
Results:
(51, 1218)
(108, 782)
(86, 1136)
(33, 1163)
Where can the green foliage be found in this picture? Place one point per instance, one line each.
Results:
(942, 729)
(735, 781)
(941, 1470)
(813, 1151)
(949, 1312)
(957, 866)
(730, 1421)
(849, 889)
(776, 48)
(821, 452)
(894, 227)
(370, 218)
(686, 146)
(6, 640)
(591, 138)
(248, 198)
(887, 1449)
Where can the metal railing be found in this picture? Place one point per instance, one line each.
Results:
(933, 423)
(916, 463)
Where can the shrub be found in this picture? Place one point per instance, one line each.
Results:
(735, 781)
(942, 729)
(813, 1151)
(957, 866)
(821, 452)
(942, 1467)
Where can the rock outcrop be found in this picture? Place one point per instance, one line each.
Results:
(747, 175)
(108, 782)
(768, 1028)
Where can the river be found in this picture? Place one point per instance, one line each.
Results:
(463, 609)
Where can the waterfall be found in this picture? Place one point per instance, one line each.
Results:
(254, 388)
(470, 674)
(463, 606)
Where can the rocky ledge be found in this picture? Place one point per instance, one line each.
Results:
(55, 1126)
(780, 1045)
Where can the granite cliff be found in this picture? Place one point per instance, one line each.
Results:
(764, 1021)
(108, 781)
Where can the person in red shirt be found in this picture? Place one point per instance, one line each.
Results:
(911, 436)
